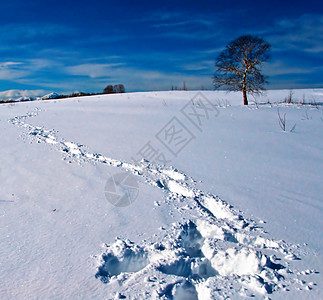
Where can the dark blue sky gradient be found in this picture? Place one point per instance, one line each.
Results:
(85, 45)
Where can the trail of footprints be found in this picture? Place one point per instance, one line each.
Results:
(220, 248)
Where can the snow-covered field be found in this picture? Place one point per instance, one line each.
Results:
(225, 204)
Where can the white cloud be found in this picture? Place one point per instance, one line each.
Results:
(134, 78)
(16, 71)
(93, 70)
(9, 63)
(12, 70)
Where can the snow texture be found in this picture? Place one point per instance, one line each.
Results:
(180, 240)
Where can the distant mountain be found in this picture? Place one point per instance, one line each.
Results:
(49, 96)
(20, 99)
(22, 95)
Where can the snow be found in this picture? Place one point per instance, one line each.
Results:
(178, 189)
(49, 96)
(21, 95)
(235, 214)
(233, 261)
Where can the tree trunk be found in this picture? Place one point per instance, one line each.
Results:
(244, 90)
(245, 99)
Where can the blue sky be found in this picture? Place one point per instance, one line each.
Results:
(84, 45)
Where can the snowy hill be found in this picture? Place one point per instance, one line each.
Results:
(21, 94)
(162, 195)
(48, 96)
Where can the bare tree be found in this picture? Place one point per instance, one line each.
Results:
(238, 66)
(119, 88)
(108, 90)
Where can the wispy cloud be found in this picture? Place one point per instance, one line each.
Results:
(9, 64)
(134, 78)
(213, 50)
(153, 50)
(185, 25)
(94, 70)
(17, 71)
(283, 68)
(206, 65)
(12, 70)
(303, 34)
(25, 31)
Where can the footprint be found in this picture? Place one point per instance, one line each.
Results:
(122, 257)
(191, 240)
